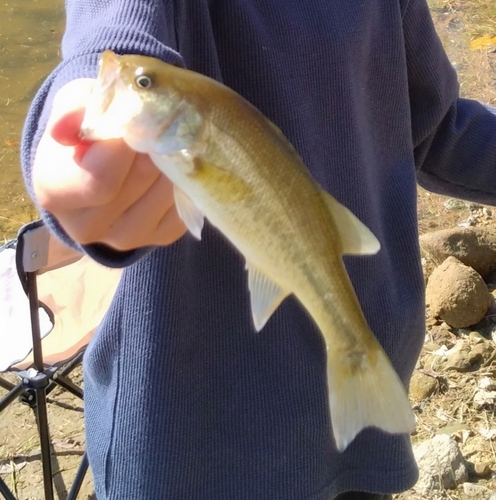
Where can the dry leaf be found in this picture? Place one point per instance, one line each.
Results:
(11, 467)
(487, 384)
(483, 43)
(66, 443)
(461, 436)
(487, 433)
(484, 399)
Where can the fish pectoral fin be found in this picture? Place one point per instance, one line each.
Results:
(265, 296)
(365, 391)
(189, 213)
(356, 237)
(225, 185)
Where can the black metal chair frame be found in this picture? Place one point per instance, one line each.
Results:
(36, 383)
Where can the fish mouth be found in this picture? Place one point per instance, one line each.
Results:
(107, 86)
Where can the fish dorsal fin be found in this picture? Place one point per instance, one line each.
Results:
(356, 237)
(189, 213)
(265, 296)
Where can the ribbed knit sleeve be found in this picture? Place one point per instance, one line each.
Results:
(125, 26)
(454, 138)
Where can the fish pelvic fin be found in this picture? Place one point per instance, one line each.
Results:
(365, 391)
(356, 237)
(189, 213)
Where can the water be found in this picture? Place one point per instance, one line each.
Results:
(30, 35)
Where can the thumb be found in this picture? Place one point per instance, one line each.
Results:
(65, 130)
(72, 96)
(68, 112)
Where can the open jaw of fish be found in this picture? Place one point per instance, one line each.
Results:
(230, 164)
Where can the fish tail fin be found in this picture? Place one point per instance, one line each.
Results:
(365, 390)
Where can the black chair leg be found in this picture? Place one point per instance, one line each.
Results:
(34, 390)
(7, 494)
(6, 384)
(46, 459)
(68, 385)
(39, 383)
(9, 397)
(78, 480)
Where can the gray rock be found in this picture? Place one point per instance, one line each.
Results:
(457, 294)
(455, 204)
(464, 360)
(441, 465)
(476, 338)
(482, 469)
(491, 313)
(475, 247)
(443, 335)
(486, 350)
(475, 490)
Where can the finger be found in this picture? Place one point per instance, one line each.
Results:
(61, 184)
(72, 96)
(152, 220)
(67, 114)
(170, 228)
(94, 223)
(109, 163)
(140, 179)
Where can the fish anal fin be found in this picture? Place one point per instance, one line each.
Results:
(365, 391)
(265, 296)
(189, 213)
(356, 237)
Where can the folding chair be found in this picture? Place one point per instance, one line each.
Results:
(52, 299)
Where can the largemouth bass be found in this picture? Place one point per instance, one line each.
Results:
(230, 164)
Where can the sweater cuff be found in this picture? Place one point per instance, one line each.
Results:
(84, 66)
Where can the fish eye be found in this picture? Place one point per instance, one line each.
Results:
(143, 81)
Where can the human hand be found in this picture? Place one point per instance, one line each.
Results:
(102, 191)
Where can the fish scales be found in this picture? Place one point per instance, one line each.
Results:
(310, 241)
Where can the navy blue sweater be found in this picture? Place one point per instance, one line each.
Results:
(184, 401)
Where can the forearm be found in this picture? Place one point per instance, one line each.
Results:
(460, 159)
(454, 139)
(143, 26)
